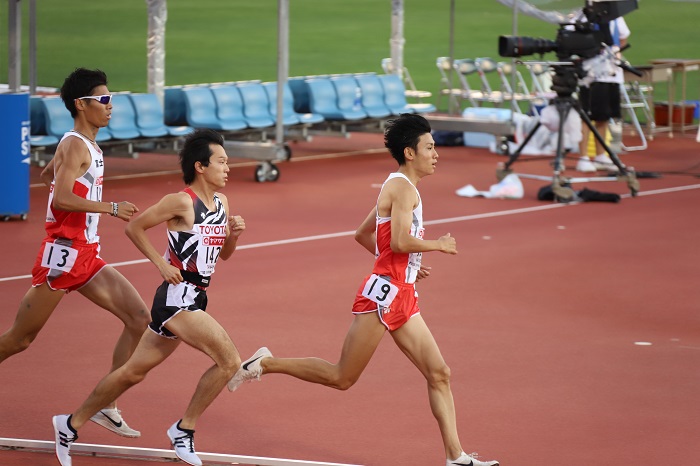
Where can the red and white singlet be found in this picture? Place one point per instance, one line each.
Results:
(401, 267)
(79, 226)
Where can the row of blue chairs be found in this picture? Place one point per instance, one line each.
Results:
(232, 106)
(249, 105)
(354, 97)
(134, 117)
(307, 101)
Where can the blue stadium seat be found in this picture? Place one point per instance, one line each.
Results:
(300, 93)
(174, 107)
(372, 96)
(289, 106)
(150, 119)
(229, 106)
(346, 87)
(122, 124)
(323, 98)
(256, 106)
(289, 116)
(59, 120)
(37, 116)
(201, 108)
(395, 96)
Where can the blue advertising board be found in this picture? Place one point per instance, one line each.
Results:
(15, 153)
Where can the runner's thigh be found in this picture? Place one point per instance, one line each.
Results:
(417, 342)
(110, 290)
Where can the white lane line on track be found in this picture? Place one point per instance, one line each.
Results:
(464, 218)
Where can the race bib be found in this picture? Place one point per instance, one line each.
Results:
(380, 290)
(59, 257)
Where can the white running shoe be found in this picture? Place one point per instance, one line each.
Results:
(250, 369)
(604, 162)
(65, 436)
(585, 165)
(470, 460)
(111, 419)
(183, 444)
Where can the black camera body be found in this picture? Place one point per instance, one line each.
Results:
(581, 39)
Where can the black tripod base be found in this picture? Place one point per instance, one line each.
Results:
(561, 185)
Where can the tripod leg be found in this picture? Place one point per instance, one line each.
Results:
(514, 156)
(626, 173)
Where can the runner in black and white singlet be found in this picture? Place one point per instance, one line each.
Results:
(194, 252)
(200, 232)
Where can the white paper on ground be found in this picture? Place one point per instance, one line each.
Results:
(509, 187)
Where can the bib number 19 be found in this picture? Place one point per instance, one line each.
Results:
(380, 290)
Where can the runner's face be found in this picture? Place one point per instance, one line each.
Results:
(426, 155)
(217, 171)
(97, 114)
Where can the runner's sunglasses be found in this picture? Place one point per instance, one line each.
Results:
(103, 99)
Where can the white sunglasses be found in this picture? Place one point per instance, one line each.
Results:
(103, 99)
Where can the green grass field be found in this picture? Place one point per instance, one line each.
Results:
(215, 40)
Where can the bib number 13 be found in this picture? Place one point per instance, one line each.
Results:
(57, 256)
(380, 290)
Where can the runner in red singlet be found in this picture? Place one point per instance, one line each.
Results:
(387, 299)
(68, 258)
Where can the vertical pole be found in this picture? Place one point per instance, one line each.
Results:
(282, 66)
(14, 29)
(451, 101)
(397, 40)
(32, 47)
(513, 70)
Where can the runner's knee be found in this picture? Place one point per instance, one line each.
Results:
(137, 321)
(439, 375)
(13, 344)
(230, 365)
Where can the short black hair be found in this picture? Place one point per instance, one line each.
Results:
(80, 83)
(196, 149)
(404, 131)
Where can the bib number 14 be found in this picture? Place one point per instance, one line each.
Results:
(380, 290)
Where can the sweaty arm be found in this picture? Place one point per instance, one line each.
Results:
(47, 173)
(174, 209)
(400, 198)
(71, 161)
(366, 233)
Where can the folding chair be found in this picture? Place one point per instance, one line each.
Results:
(521, 93)
(465, 68)
(629, 105)
(445, 66)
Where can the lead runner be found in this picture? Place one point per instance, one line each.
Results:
(387, 299)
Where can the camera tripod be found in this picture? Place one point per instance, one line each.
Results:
(564, 84)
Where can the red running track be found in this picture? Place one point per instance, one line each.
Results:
(537, 317)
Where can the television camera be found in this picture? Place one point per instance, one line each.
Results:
(575, 42)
